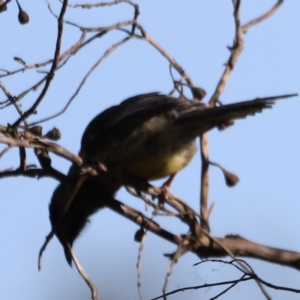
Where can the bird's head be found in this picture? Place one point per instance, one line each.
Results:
(90, 197)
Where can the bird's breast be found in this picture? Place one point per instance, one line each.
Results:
(163, 162)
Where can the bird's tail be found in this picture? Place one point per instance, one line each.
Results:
(224, 115)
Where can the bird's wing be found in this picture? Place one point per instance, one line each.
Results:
(127, 126)
(119, 121)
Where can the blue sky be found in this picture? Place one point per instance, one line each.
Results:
(263, 151)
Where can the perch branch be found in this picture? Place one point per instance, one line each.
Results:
(205, 247)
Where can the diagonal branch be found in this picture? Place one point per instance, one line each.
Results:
(263, 17)
(106, 54)
(50, 76)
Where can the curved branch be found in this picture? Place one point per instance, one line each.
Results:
(145, 36)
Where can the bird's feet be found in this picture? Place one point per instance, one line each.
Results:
(165, 189)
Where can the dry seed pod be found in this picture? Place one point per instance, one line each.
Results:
(20, 61)
(230, 178)
(53, 134)
(198, 93)
(36, 130)
(139, 235)
(22, 16)
(3, 6)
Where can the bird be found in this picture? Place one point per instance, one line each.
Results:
(148, 136)
(90, 197)
(152, 136)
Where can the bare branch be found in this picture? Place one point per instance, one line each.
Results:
(141, 220)
(235, 49)
(145, 36)
(53, 68)
(5, 150)
(204, 181)
(83, 274)
(263, 17)
(203, 286)
(246, 276)
(40, 143)
(238, 46)
(101, 4)
(208, 246)
(106, 54)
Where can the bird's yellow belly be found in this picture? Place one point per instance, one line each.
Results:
(159, 166)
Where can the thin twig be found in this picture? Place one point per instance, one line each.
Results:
(5, 150)
(106, 54)
(145, 36)
(263, 17)
(50, 76)
(206, 285)
(236, 49)
(67, 53)
(229, 288)
(244, 266)
(84, 275)
(101, 4)
(139, 265)
(204, 185)
(174, 260)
